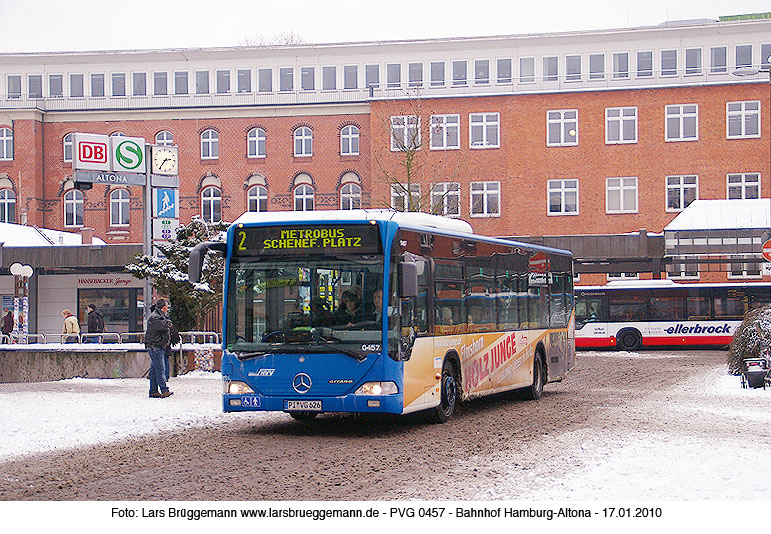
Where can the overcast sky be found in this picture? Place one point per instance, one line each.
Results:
(52, 25)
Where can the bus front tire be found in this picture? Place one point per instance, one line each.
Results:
(629, 339)
(449, 391)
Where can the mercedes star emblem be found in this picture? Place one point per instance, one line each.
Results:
(301, 383)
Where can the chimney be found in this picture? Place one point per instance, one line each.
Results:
(86, 236)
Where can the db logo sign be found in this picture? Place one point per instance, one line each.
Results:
(89, 152)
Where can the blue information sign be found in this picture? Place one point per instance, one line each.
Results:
(166, 204)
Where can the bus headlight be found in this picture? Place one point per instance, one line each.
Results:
(237, 388)
(377, 388)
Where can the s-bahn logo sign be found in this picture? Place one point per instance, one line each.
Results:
(94, 152)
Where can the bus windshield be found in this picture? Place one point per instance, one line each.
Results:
(302, 305)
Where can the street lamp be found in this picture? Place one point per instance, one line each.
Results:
(21, 274)
(753, 71)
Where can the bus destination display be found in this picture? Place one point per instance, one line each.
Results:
(289, 240)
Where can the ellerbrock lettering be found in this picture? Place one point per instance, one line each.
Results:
(698, 329)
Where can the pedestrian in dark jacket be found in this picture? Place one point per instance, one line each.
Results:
(8, 323)
(157, 338)
(95, 324)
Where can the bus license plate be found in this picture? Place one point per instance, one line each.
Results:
(303, 406)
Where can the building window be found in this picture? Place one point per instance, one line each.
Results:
(180, 83)
(256, 143)
(119, 207)
(257, 199)
(202, 82)
(6, 144)
(265, 80)
(164, 138)
(349, 141)
(56, 86)
(303, 198)
(612, 277)
(620, 125)
(67, 148)
(210, 144)
(372, 76)
(550, 68)
(286, 79)
(73, 208)
(621, 195)
(139, 84)
(681, 191)
(459, 72)
(563, 197)
(743, 185)
(14, 86)
(399, 199)
(77, 86)
(350, 77)
(97, 85)
(527, 70)
(669, 62)
(645, 64)
(505, 71)
(394, 75)
(303, 142)
(485, 199)
(445, 132)
(244, 80)
(743, 119)
(718, 62)
(596, 66)
(482, 71)
(743, 56)
(562, 127)
(415, 74)
(223, 81)
(692, 61)
(35, 86)
(682, 122)
(573, 68)
(620, 65)
(7, 206)
(118, 84)
(211, 204)
(683, 271)
(160, 83)
(329, 78)
(307, 78)
(484, 130)
(744, 270)
(445, 199)
(405, 133)
(350, 197)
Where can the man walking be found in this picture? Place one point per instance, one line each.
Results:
(157, 338)
(95, 324)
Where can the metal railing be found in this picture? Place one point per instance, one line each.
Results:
(104, 338)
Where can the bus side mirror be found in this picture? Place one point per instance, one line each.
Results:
(408, 279)
(195, 266)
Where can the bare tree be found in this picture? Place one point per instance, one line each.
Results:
(287, 38)
(417, 179)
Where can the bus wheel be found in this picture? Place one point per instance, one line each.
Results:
(303, 416)
(449, 391)
(535, 391)
(629, 339)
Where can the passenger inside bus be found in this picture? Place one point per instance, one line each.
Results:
(349, 313)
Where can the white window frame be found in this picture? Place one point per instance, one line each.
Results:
(625, 114)
(120, 206)
(622, 276)
(256, 143)
(446, 195)
(621, 71)
(681, 184)
(67, 148)
(563, 118)
(745, 274)
(6, 144)
(305, 195)
(211, 202)
(677, 271)
(350, 196)
(694, 69)
(349, 140)
(303, 142)
(7, 205)
(399, 196)
(563, 187)
(483, 123)
(681, 115)
(743, 111)
(405, 133)
(620, 189)
(488, 190)
(256, 194)
(441, 126)
(210, 144)
(748, 180)
(164, 138)
(74, 200)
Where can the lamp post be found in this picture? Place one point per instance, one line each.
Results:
(21, 274)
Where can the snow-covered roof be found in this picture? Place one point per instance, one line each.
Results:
(407, 218)
(722, 215)
(19, 235)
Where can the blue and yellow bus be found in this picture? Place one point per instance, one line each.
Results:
(367, 311)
